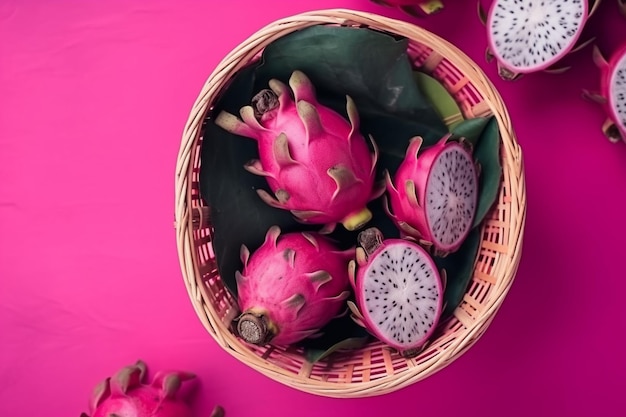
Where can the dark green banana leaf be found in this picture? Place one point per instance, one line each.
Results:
(370, 66)
(340, 333)
(471, 129)
(487, 153)
(459, 268)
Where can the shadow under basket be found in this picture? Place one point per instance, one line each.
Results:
(372, 369)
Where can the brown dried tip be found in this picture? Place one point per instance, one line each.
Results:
(508, 75)
(411, 353)
(611, 131)
(370, 239)
(264, 101)
(254, 329)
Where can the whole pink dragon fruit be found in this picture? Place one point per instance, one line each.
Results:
(398, 291)
(316, 162)
(434, 198)
(417, 8)
(124, 395)
(612, 93)
(290, 287)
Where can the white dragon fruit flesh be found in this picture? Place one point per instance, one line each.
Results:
(316, 162)
(125, 395)
(398, 291)
(417, 8)
(291, 287)
(527, 36)
(434, 194)
(612, 93)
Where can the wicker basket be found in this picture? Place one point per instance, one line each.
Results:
(373, 369)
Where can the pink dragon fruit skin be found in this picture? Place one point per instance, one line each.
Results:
(614, 126)
(291, 286)
(406, 204)
(124, 395)
(316, 162)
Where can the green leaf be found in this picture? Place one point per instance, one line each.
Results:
(340, 333)
(314, 355)
(370, 66)
(459, 268)
(471, 129)
(441, 100)
(487, 153)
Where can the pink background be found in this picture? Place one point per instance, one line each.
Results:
(93, 99)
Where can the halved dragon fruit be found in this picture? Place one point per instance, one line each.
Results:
(533, 35)
(434, 195)
(291, 287)
(316, 162)
(612, 93)
(125, 395)
(398, 291)
(417, 8)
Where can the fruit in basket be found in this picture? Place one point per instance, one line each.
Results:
(612, 95)
(398, 291)
(531, 36)
(434, 194)
(417, 8)
(125, 395)
(317, 163)
(291, 287)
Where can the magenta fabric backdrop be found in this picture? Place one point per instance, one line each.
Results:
(93, 99)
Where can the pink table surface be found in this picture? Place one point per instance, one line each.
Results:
(93, 99)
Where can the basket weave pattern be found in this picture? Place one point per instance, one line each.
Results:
(372, 369)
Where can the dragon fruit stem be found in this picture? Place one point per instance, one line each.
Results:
(357, 219)
(370, 239)
(254, 328)
(263, 102)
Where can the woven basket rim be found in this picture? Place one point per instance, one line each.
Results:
(185, 222)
